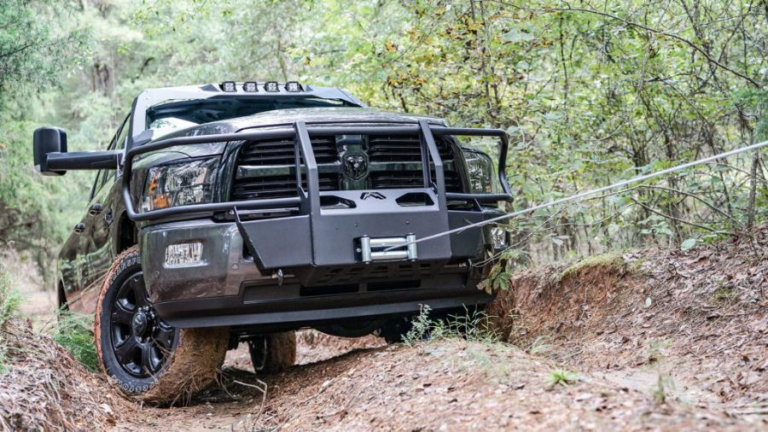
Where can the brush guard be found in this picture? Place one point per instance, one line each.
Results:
(338, 237)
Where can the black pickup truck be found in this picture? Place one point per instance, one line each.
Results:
(241, 212)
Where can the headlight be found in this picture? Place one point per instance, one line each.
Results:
(482, 178)
(179, 184)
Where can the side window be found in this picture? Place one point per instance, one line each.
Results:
(118, 143)
(122, 137)
(96, 184)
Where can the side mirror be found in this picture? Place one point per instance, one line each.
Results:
(48, 140)
(51, 157)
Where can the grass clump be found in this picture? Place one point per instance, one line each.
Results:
(724, 294)
(9, 299)
(541, 345)
(608, 261)
(9, 304)
(562, 377)
(420, 327)
(74, 332)
(472, 325)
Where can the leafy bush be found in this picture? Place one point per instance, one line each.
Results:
(420, 327)
(74, 332)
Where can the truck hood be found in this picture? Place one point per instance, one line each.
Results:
(308, 115)
(327, 115)
(277, 118)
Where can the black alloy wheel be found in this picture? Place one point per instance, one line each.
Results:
(141, 341)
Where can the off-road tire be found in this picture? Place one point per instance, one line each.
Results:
(273, 353)
(192, 365)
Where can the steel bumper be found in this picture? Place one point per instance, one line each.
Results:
(227, 288)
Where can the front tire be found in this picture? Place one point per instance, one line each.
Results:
(146, 359)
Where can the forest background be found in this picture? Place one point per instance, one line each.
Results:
(591, 92)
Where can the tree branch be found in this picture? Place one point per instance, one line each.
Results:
(660, 33)
(666, 216)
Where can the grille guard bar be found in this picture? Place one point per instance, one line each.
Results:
(301, 132)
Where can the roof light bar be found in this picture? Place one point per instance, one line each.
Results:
(293, 86)
(250, 87)
(228, 86)
(271, 86)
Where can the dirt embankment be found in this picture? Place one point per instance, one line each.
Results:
(645, 340)
(694, 323)
(42, 387)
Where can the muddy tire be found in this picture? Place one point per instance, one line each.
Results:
(273, 353)
(144, 358)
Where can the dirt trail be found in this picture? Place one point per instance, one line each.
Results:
(647, 340)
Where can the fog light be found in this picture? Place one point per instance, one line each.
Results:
(499, 238)
(184, 255)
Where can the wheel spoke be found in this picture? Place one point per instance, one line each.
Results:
(121, 315)
(126, 351)
(150, 358)
(164, 337)
(137, 284)
(125, 297)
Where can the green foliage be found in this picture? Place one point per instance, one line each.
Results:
(74, 332)
(688, 244)
(9, 304)
(472, 325)
(590, 93)
(612, 261)
(9, 299)
(34, 46)
(562, 377)
(420, 327)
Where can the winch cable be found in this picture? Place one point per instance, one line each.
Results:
(585, 194)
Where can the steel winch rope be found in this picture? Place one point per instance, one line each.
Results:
(584, 194)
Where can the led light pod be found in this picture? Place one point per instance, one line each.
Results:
(293, 87)
(250, 87)
(271, 86)
(229, 86)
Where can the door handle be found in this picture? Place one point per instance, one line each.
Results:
(95, 209)
(108, 217)
(80, 227)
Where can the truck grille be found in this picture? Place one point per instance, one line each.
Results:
(403, 149)
(394, 163)
(278, 186)
(280, 152)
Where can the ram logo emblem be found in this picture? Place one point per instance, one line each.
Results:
(355, 166)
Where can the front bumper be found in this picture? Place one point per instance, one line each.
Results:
(303, 260)
(227, 288)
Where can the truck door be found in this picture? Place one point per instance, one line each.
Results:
(100, 250)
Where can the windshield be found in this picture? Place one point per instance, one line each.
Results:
(168, 117)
